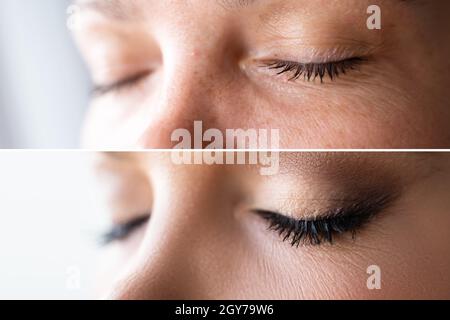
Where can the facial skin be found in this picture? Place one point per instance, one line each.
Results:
(207, 60)
(205, 241)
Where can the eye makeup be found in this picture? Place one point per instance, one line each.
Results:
(323, 228)
(328, 225)
(120, 232)
(316, 199)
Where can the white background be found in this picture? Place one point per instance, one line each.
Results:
(44, 86)
(50, 219)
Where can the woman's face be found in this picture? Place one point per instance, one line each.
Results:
(267, 64)
(313, 230)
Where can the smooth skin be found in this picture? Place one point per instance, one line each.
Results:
(204, 60)
(203, 241)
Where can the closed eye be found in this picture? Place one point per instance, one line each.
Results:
(312, 71)
(100, 90)
(120, 232)
(327, 226)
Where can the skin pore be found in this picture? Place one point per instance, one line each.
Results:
(161, 65)
(204, 238)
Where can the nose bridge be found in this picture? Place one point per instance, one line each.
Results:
(171, 261)
(195, 73)
(184, 98)
(188, 94)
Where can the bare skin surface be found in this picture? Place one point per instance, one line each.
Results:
(181, 61)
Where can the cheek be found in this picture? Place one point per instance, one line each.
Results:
(264, 267)
(382, 263)
(381, 117)
(295, 275)
(340, 115)
(361, 120)
(327, 275)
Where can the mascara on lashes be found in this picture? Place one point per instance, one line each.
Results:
(323, 228)
(122, 231)
(327, 226)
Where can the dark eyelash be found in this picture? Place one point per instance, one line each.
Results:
(310, 71)
(100, 90)
(122, 231)
(325, 228)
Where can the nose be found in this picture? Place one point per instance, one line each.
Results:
(196, 79)
(184, 233)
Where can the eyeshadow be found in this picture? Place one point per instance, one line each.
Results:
(329, 224)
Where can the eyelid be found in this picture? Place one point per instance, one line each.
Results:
(122, 231)
(311, 71)
(323, 227)
(100, 90)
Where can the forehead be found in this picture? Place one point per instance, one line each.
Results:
(132, 9)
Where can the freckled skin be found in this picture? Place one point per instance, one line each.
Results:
(205, 63)
(202, 242)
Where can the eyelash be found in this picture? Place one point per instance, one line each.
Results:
(309, 71)
(312, 71)
(307, 232)
(324, 230)
(311, 232)
(122, 231)
(100, 90)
